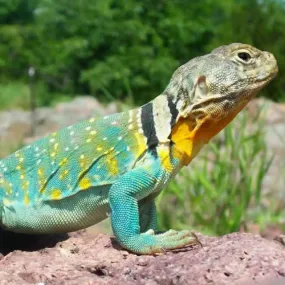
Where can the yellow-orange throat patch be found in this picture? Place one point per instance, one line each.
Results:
(190, 136)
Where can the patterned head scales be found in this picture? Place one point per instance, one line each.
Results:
(233, 73)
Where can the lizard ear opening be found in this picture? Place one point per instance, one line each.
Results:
(199, 91)
(201, 88)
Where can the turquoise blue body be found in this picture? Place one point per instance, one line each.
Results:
(76, 177)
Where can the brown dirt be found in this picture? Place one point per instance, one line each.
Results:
(84, 258)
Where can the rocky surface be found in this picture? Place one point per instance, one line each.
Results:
(84, 258)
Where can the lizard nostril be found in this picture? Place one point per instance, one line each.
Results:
(268, 55)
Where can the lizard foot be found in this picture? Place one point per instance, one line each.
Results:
(149, 243)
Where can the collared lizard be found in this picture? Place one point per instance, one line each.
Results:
(118, 164)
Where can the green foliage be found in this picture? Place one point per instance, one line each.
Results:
(9, 95)
(16, 94)
(221, 190)
(127, 48)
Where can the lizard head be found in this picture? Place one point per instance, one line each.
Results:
(222, 82)
(207, 93)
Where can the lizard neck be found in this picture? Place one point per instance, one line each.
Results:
(157, 119)
(190, 135)
(162, 123)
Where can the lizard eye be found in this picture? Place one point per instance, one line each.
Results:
(244, 56)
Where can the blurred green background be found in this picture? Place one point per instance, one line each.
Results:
(123, 49)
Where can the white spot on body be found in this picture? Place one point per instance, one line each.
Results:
(130, 116)
(131, 126)
(71, 133)
(88, 128)
(114, 123)
(104, 139)
(138, 115)
(180, 104)
(52, 140)
(120, 138)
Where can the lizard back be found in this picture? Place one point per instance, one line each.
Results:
(90, 154)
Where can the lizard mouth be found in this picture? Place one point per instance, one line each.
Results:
(227, 102)
(265, 76)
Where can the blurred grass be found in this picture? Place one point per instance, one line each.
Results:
(221, 190)
(14, 94)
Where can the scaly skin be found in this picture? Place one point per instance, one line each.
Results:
(118, 164)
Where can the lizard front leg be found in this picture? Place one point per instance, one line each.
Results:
(147, 214)
(123, 197)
